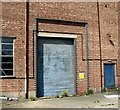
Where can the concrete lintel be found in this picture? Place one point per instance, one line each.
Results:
(59, 35)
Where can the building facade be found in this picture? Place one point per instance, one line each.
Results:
(47, 48)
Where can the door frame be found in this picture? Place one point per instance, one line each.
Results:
(114, 72)
(58, 35)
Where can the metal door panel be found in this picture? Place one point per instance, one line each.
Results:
(109, 78)
(58, 69)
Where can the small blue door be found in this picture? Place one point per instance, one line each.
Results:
(55, 66)
(109, 75)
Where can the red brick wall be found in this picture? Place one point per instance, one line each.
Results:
(109, 27)
(119, 44)
(13, 15)
(14, 24)
(71, 11)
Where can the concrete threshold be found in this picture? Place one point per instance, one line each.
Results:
(111, 96)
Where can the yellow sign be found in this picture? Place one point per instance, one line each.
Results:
(81, 75)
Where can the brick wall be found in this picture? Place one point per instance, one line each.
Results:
(14, 24)
(13, 16)
(109, 31)
(119, 44)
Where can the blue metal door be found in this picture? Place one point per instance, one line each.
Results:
(55, 66)
(109, 76)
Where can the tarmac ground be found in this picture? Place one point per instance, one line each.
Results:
(91, 101)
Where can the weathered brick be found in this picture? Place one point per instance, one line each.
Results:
(13, 15)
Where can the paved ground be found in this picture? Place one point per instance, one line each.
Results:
(92, 101)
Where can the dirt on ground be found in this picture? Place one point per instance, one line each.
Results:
(91, 101)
